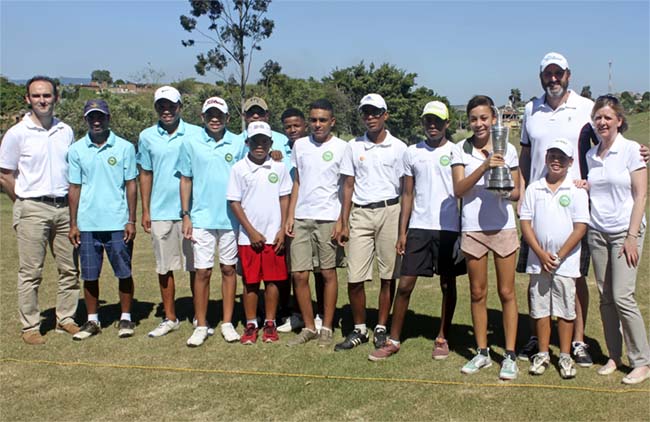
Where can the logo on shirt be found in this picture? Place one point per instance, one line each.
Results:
(273, 178)
(327, 156)
(361, 158)
(112, 160)
(228, 157)
(445, 160)
(565, 201)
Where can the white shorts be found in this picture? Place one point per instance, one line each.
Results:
(204, 243)
(552, 295)
(172, 251)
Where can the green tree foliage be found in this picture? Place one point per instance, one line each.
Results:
(235, 29)
(185, 86)
(12, 97)
(101, 76)
(120, 82)
(586, 92)
(268, 71)
(515, 97)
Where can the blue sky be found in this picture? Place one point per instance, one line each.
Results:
(458, 49)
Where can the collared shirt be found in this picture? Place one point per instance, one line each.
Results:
(158, 152)
(102, 173)
(377, 168)
(610, 185)
(319, 170)
(552, 215)
(209, 163)
(280, 143)
(434, 205)
(541, 125)
(258, 188)
(38, 156)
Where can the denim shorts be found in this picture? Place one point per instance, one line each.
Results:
(91, 254)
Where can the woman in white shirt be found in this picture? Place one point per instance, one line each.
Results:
(488, 224)
(618, 182)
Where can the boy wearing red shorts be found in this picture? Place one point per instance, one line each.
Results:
(258, 194)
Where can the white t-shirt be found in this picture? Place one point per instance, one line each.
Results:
(541, 125)
(318, 166)
(377, 168)
(610, 185)
(552, 216)
(258, 188)
(483, 210)
(434, 205)
(38, 156)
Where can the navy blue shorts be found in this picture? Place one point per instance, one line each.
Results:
(91, 254)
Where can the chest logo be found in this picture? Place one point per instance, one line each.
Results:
(445, 160)
(328, 155)
(361, 158)
(565, 201)
(228, 157)
(112, 160)
(273, 178)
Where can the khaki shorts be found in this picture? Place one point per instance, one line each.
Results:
(313, 244)
(172, 251)
(501, 242)
(373, 232)
(552, 295)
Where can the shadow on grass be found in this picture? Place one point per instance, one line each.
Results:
(108, 314)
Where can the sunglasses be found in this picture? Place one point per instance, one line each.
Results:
(371, 112)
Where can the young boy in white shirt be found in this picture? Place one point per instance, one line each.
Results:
(258, 194)
(554, 217)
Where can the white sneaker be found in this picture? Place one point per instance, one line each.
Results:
(198, 337)
(294, 322)
(165, 327)
(318, 323)
(228, 332)
(210, 329)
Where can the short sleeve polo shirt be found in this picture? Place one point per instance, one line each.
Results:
(158, 152)
(209, 163)
(434, 204)
(258, 188)
(552, 215)
(318, 166)
(102, 173)
(377, 168)
(39, 156)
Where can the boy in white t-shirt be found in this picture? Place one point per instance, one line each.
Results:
(258, 194)
(554, 217)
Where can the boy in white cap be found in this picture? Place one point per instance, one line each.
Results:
(554, 217)
(372, 168)
(258, 194)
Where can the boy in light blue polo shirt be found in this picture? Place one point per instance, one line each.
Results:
(103, 197)
(204, 165)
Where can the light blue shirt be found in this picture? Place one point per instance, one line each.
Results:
(280, 143)
(158, 152)
(102, 173)
(208, 163)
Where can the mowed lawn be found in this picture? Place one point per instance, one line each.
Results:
(106, 378)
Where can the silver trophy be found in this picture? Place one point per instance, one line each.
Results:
(500, 178)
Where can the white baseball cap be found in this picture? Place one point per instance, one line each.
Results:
(259, 128)
(554, 58)
(374, 100)
(563, 145)
(215, 102)
(437, 108)
(167, 93)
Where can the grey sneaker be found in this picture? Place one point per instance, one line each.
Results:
(567, 368)
(303, 337)
(379, 337)
(539, 364)
(477, 363)
(293, 323)
(89, 329)
(165, 327)
(325, 337)
(509, 369)
(125, 328)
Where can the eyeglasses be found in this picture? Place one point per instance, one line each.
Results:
(371, 112)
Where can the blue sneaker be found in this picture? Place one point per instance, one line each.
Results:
(479, 361)
(509, 369)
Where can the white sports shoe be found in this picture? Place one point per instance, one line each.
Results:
(228, 332)
(198, 337)
(210, 329)
(165, 327)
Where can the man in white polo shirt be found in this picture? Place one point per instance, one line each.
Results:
(34, 175)
(373, 169)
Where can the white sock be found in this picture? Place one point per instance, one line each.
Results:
(126, 316)
(93, 317)
(395, 342)
(252, 321)
(361, 327)
(378, 326)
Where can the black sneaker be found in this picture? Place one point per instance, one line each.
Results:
(354, 339)
(529, 350)
(126, 328)
(379, 337)
(580, 354)
(89, 329)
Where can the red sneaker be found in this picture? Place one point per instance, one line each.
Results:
(270, 333)
(250, 334)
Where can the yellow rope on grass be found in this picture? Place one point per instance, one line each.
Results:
(325, 377)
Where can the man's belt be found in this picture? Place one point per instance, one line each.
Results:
(59, 200)
(379, 204)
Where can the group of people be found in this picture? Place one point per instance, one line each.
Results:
(276, 208)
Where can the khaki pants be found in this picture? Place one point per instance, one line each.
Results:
(38, 225)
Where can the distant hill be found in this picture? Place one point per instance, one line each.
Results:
(65, 80)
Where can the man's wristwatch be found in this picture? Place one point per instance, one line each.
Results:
(185, 213)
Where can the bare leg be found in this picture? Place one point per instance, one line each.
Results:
(386, 295)
(543, 327)
(582, 306)
(302, 294)
(565, 330)
(448, 306)
(330, 290)
(228, 290)
(91, 295)
(126, 294)
(250, 300)
(168, 293)
(505, 269)
(202, 295)
(271, 295)
(357, 294)
(477, 271)
(404, 290)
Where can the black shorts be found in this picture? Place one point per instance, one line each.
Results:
(430, 252)
(585, 256)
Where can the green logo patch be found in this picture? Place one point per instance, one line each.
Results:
(112, 160)
(565, 201)
(445, 160)
(328, 155)
(273, 178)
(229, 157)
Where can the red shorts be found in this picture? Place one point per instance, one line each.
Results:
(262, 266)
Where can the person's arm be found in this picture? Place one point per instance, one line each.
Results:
(462, 183)
(639, 179)
(278, 242)
(146, 182)
(293, 200)
(346, 206)
(256, 238)
(645, 153)
(579, 231)
(8, 183)
(546, 258)
(186, 194)
(132, 203)
(74, 191)
(406, 205)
